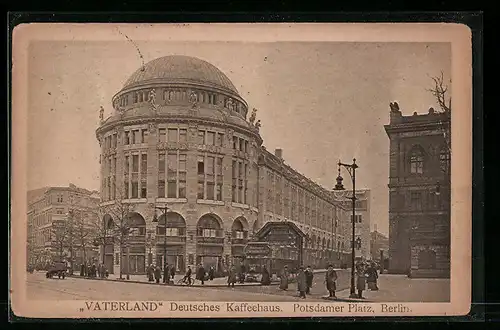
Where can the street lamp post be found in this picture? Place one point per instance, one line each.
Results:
(351, 168)
(155, 219)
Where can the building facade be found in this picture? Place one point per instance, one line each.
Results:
(419, 193)
(181, 137)
(379, 246)
(362, 221)
(48, 207)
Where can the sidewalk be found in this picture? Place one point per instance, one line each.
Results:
(216, 282)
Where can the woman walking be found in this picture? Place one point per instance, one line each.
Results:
(284, 279)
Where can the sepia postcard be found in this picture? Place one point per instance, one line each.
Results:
(241, 170)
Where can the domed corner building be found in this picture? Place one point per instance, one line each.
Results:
(180, 138)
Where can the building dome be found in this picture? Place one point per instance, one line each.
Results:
(180, 68)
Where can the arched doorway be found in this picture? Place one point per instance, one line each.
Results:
(210, 242)
(107, 243)
(135, 252)
(173, 233)
(239, 238)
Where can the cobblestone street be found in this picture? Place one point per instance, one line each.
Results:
(393, 288)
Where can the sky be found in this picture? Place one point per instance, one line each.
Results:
(318, 101)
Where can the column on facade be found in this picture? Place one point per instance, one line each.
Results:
(192, 215)
(152, 188)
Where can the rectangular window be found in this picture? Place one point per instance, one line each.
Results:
(172, 189)
(211, 138)
(219, 191)
(143, 189)
(144, 136)
(114, 140)
(161, 188)
(210, 191)
(172, 231)
(137, 136)
(182, 162)
(126, 166)
(210, 167)
(242, 145)
(172, 166)
(135, 187)
(246, 146)
(201, 137)
(127, 138)
(235, 142)
(162, 134)
(182, 135)
(161, 163)
(135, 163)
(209, 232)
(144, 164)
(126, 190)
(220, 139)
(172, 135)
(201, 165)
(219, 166)
(182, 189)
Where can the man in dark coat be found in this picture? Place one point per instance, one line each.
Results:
(309, 279)
(187, 276)
(172, 271)
(301, 283)
(372, 276)
(201, 274)
(266, 278)
(166, 274)
(211, 273)
(284, 279)
(330, 278)
(231, 277)
(82, 270)
(157, 272)
(150, 273)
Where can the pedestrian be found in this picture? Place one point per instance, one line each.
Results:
(201, 274)
(98, 270)
(166, 273)
(242, 274)
(93, 270)
(151, 273)
(361, 279)
(82, 269)
(157, 273)
(330, 280)
(301, 283)
(266, 278)
(211, 273)
(172, 271)
(231, 277)
(284, 279)
(309, 279)
(187, 276)
(372, 276)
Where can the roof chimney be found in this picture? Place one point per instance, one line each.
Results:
(278, 153)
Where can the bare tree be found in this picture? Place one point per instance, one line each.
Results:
(61, 236)
(82, 232)
(440, 92)
(122, 224)
(102, 228)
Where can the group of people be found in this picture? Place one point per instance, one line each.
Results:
(366, 275)
(305, 280)
(93, 270)
(154, 273)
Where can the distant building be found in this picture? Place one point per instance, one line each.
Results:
(379, 245)
(362, 219)
(50, 206)
(419, 193)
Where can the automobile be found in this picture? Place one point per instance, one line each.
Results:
(58, 269)
(252, 276)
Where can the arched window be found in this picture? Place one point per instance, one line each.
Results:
(136, 224)
(208, 226)
(427, 259)
(238, 229)
(416, 161)
(175, 226)
(444, 159)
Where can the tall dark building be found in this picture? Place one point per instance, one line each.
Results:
(419, 193)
